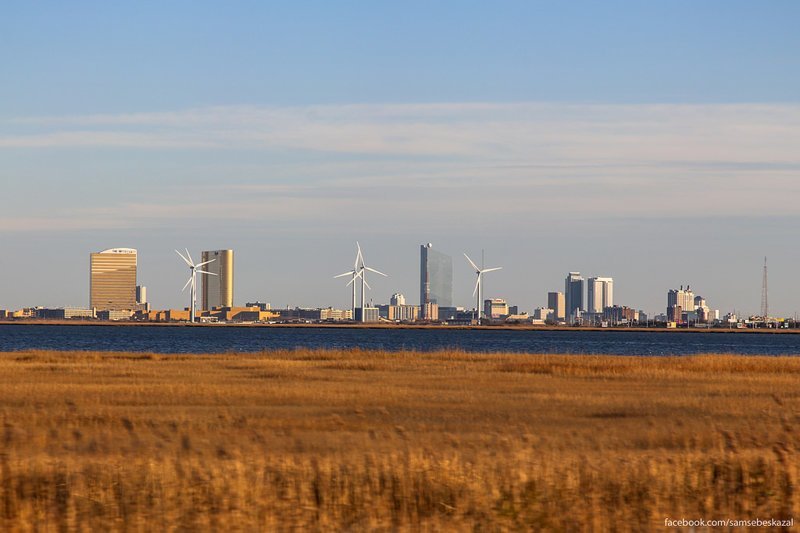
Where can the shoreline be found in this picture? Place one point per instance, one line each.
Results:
(381, 326)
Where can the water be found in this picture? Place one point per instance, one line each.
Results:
(255, 339)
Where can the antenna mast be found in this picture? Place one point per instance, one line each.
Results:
(764, 298)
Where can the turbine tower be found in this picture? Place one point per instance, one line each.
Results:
(362, 272)
(479, 285)
(193, 280)
(355, 273)
(764, 300)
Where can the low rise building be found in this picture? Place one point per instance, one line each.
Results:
(240, 314)
(370, 314)
(172, 315)
(674, 313)
(495, 308)
(431, 311)
(65, 313)
(619, 314)
(329, 314)
(114, 314)
(403, 313)
(447, 314)
(301, 314)
(521, 318)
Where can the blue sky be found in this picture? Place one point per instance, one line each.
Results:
(605, 137)
(88, 57)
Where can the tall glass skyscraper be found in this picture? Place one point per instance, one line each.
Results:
(435, 278)
(573, 294)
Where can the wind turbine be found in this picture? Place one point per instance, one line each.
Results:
(355, 273)
(479, 285)
(193, 280)
(362, 272)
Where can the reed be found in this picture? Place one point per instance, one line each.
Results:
(326, 439)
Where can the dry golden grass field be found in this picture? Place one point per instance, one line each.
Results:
(364, 440)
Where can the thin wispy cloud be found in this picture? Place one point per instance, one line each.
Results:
(433, 163)
(543, 133)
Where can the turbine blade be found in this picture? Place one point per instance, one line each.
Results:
(190, 257)
(359, 255)
(204, 272)
(187, 284)
(367, 284)
(377, 272)
(205, 263)
(184, 258)
(345, 274)
(477, 284)
(472, 263)
(485, 270)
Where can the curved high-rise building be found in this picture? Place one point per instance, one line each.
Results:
(435, 278)
(217, 290)
(112, 279)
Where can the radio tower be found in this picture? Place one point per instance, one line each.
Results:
(764, 300)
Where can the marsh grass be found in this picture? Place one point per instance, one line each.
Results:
(321, 440)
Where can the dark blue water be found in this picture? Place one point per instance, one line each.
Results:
(246, 339)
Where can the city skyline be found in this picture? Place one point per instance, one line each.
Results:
(113, 266)
(606, 138)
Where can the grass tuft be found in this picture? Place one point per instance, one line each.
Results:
(361, 440)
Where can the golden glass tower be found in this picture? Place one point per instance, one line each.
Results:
(217, 290)
(112, 279)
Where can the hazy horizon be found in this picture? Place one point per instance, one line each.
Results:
(655, 144)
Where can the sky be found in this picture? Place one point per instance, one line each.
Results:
(653, 142)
